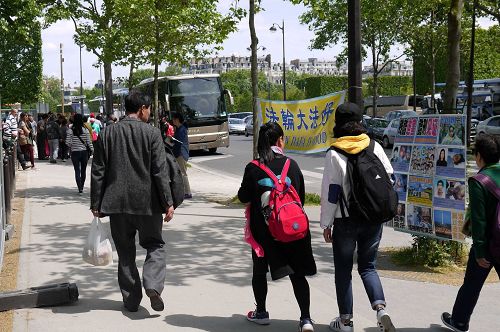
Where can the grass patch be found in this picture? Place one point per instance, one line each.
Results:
(312, 199)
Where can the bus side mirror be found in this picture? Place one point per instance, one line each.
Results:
(231, 99)
(167, 102)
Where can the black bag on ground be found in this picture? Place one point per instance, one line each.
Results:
(176, 181)
(372, 198)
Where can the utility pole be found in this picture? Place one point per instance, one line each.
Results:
(62, 77)
(354, 52)
(81, 82)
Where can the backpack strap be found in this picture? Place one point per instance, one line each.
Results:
(273, 176)
(486, 181)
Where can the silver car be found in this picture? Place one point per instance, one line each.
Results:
(489, 126)
(236, 126)
(249, 126)
(390, 133)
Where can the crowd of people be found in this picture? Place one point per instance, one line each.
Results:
(136, 204)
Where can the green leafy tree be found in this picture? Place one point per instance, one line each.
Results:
(175, 30)
(381, 24)
(490, 8)
(487, 53)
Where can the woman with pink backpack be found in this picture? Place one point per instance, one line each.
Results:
(293, 259)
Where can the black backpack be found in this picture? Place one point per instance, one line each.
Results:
(372, 198)
(176, 181)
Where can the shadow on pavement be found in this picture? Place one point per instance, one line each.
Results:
(58, 195)
(96, 304)
(431, 328)
(233, 323)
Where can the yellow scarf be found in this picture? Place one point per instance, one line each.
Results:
(352, 144)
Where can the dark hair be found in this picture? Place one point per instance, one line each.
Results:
(269, 134)
(351, 128)
(442, 150)
(135, 100)
(178, 116)
(45, 116)
(488, 146)
(440, 181)
(77, 125)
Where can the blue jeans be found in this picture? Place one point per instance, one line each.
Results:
(80, 160)
(467, 296)
(346, 235)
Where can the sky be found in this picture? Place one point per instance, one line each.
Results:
(297, 42)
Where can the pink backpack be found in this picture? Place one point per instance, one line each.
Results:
(287, 219)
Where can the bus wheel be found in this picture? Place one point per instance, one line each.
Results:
(212, 150)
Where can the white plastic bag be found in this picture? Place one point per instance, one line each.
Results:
(97, 250)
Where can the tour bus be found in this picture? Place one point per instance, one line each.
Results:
(385, 104)
(74, 107)
(202, 101)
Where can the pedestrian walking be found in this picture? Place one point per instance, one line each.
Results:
(32, 125)
(347, 233)
(41, 137)
(53, 136)
(130, 183)
(10, 134)
(26, 138)
(79, 142)
(293, 259)
(484, 205)
(63, 133)
(181, 149)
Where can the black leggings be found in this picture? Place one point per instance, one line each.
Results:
(300, 289)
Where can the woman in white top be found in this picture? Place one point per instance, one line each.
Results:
(347, 233)
(80, 143)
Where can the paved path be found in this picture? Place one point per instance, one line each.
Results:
(208, 279)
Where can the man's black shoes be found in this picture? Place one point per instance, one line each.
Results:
(156, 300)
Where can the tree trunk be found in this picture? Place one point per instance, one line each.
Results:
(156, 63)
(255, 91)
(433, 63)
(131, 74)
(108, 88)
(454, 36)
(375, 79)
(155, 88)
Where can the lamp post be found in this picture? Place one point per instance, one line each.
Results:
(81, 82)
(282, 28)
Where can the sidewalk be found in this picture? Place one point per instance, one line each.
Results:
(208, 286)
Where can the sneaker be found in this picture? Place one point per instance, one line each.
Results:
(25, 167)
(156, 300)
(384, 321)
(261, 318)
(306, 325)
(188, 196)
(337, 325)
(448, 322)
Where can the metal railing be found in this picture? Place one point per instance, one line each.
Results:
(7, 188)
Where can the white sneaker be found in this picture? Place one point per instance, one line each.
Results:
(337, 326)
(384, 321)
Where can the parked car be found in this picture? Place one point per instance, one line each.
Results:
(249, 126)
(390, 133)
(398, 114)
(377, 127)
(236, 126)
(240, 115)
(489, 126)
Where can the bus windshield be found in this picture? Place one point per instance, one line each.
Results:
(197, 98)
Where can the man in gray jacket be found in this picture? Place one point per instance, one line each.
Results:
(130, 183)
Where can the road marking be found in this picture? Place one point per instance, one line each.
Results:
(315, 175)
(320, 168)
(197, 160)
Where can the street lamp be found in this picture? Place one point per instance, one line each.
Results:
(81, 82)
(282, 28)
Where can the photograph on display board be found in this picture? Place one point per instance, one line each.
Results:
(457, 224)
(449, 193)
(400, 185)
(419, 219)
(400, 158)
(450, 162)
(420, 190)
(422, 160)
(427, 130)
(406, 131)
(442, 223)
(452, 130)
(399, 219)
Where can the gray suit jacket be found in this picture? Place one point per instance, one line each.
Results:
(129, 170)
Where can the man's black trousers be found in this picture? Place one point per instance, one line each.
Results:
(123, 230)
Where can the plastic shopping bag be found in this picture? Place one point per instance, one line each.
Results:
(97, 250)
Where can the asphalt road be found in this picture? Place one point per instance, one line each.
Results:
(231, 161)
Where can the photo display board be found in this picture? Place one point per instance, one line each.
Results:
(429, 161)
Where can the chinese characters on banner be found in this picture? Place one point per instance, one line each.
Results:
(429, 158)
(308, 124)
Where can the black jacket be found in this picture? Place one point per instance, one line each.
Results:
(129, 170)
